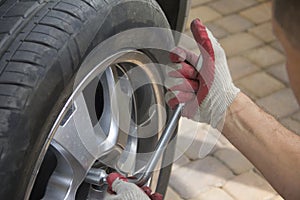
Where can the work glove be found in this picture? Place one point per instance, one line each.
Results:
(202, 82)
(120, 189)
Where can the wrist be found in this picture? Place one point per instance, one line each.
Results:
(236, 112)
(218, 102)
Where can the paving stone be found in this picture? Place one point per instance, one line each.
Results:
(197, 140)
(180, 159)
(196, 3)
(222, 143)
(216, 30)
(204, 13)
(249, 186)
(229, 6)
(280, 104)
(264, 32)
(258, 14)
(187, 134)
(238, 43)
(172, 195)
(277, 45)
(198, 176)
(186, 126)
(225, 144)
(260, 84)
(234, 23)
(244, 90)
(265, 56)
(240, 67)
(291, 124)
(279, 71)
(214, 194)
(234, 160)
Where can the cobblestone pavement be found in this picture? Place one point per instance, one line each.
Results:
(256, 62)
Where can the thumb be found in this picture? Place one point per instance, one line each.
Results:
(202, 38)
(207, 73)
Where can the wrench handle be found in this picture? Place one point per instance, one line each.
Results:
(160, 147)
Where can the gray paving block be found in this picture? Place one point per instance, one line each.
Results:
(249, 186)
(234, 160)
(198, 176)
(280, 104)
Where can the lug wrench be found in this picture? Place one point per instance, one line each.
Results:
(98, 176)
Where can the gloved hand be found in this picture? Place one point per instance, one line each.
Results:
(128, 191)
(203, 83)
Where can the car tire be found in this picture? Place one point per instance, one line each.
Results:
(42, 46)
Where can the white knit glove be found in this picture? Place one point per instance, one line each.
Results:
(203, 83)
(127, 191)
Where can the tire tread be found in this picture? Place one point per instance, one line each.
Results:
(36, 35)
(66, 7)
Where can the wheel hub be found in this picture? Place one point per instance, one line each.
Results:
(86, 134)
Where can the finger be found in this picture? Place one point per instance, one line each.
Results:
(207, 73)
(186, 86)
(120, 187)
(176, 97)
(171, 81)
(179, 54)
(186, 71)
(204, 87)
(113, 176)
(128, 191)
(202, 38)
(191, 57)
(147, 190)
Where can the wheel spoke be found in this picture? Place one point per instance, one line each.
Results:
(75, 132)
(77, 144)
(67, 176)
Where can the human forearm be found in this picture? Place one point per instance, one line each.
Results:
(205, 86)
(273, 149)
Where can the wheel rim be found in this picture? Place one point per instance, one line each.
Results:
(81, 138)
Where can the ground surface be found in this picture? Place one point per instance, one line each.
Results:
(256, 61)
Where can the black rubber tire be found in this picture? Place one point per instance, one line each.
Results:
(42, 44)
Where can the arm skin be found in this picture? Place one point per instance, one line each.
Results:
(272, 148)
